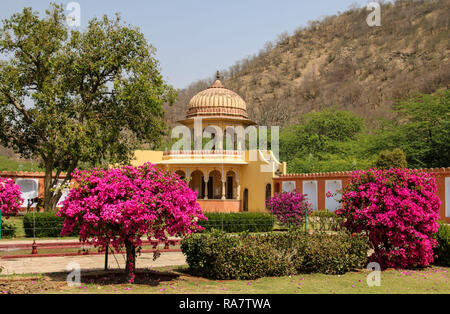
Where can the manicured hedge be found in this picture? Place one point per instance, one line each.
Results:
(8, 229)
(239, 222)
(217, 255)
(443, 248)
(48, 225)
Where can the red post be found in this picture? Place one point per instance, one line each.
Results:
(34, 248)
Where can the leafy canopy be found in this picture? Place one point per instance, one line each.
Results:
(421, 129)
(335, 140)
(71, 98)
(391, 159)
(327, 140)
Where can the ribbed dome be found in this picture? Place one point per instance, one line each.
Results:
(217, 101)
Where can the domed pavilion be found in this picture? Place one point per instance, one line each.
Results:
(227, 176)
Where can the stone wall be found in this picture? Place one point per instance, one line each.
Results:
(316, 185)
(31, 183)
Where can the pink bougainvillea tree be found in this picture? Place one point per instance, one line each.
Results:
(289, 208)
(10, 197)
(118, 207)
(398, 209)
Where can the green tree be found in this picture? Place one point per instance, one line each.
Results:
(391, 159)
(71, 98)
(421, 129)
(328, 140)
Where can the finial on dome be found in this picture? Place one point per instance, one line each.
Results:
(217, 83)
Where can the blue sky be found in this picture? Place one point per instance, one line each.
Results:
(194, 38)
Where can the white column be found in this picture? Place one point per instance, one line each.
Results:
(224, 197)
(206, 187)
(188, 174)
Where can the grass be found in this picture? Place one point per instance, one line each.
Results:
(176, 281)
(7, 164)
(18, 223)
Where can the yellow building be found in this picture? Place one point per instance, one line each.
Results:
(231, 179)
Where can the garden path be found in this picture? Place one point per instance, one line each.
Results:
(94, 262)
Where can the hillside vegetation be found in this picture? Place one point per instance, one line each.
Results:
(338, 71)
(341, 62)
(338, 140)
(9, 161)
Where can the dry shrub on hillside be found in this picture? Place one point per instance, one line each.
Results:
(341, 61)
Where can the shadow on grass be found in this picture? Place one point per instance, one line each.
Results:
(112, 277)
(57, 282)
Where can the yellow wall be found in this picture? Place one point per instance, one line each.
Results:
(255, 181)
(143, 156)
(250, 177)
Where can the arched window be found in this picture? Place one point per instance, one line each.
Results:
(197, 183)
(30, 190)
(230, 138)
(181, 173)
(246, 200)
(215, 185)
(231, 185)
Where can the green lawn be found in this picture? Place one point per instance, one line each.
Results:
(7, 164)
(18, 223)
(430, 280)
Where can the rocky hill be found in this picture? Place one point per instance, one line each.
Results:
(340, 61)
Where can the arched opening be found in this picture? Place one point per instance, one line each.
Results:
(215, 185)
(197, 184)
(245, 200)
(212, 138)
(230, 138)
(268, 192)
(29, 189)
(64, 194)
(181, 173)
(231, 185)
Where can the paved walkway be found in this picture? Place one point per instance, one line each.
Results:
(60, 264)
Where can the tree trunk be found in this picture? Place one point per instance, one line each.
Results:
(51, 197)
(48, 194)
(130, 267)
